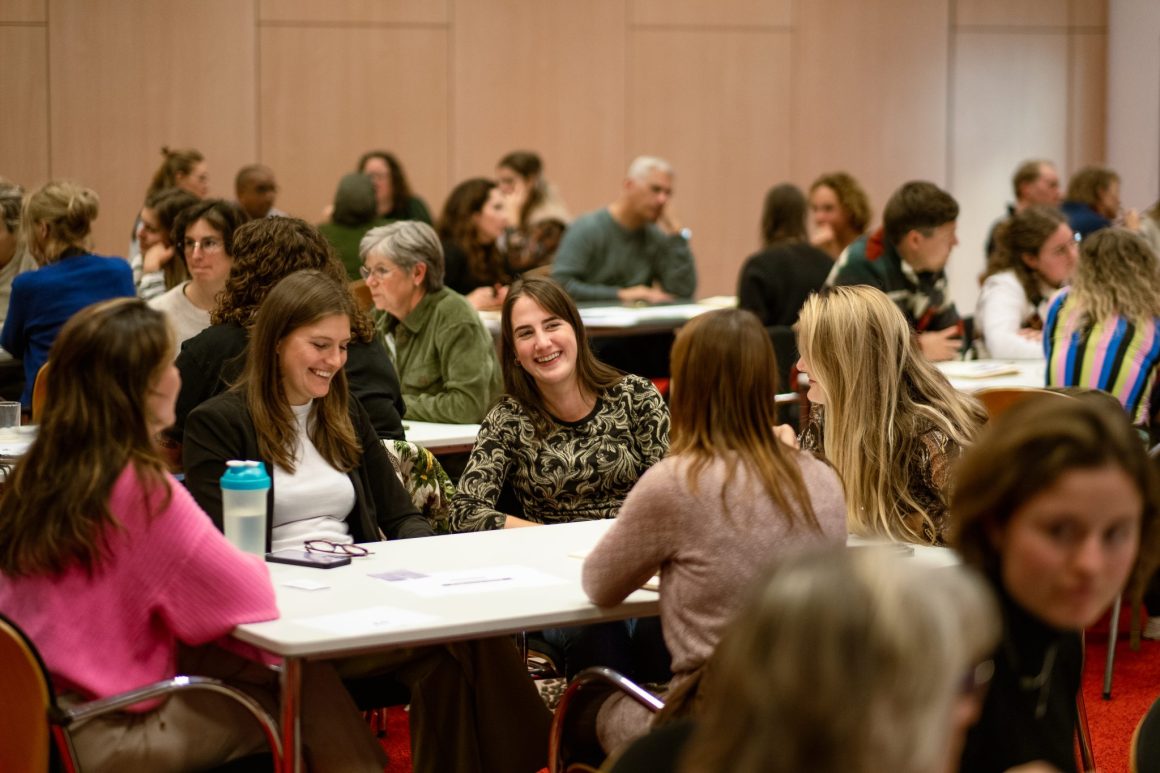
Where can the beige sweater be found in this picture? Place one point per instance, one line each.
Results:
(707, 558)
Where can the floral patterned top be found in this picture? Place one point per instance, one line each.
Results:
(577, 471)
(929, 474)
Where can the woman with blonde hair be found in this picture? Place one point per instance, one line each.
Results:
(1103, 332)
(882, 414)
(56, 223)
(709, 517)
(840, 661)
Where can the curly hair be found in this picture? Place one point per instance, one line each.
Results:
(1024, 233)
(1118, 275)
(850, 195)
(456, 226)
(266, 251)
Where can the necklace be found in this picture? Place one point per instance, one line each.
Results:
(1041, 681)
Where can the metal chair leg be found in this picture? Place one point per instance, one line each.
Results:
(1113, 631)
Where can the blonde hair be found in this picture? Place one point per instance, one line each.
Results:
(844, 660)
(882, 395)
(68, 210)
(1117, 275)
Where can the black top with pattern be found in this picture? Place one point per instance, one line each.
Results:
(577, 471)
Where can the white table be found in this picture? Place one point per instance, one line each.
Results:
(973, 375)
(616, 319)
(359, 614)
(441, 438)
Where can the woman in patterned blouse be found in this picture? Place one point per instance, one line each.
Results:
(892, 423)
(568, 440)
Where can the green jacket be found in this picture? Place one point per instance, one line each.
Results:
(445, 358)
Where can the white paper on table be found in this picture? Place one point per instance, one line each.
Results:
(488, 579)
(370, 620)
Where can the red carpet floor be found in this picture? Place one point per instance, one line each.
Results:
(1135, 686)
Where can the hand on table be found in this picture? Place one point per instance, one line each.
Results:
(643, 293)
(1031, 334)
(939, 345)
(488, 298)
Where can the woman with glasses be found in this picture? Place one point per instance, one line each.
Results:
(1036, 254)
(203, 241)
(332, 479)
(264, 252)
(57, 221)
(114, 572)
(444, 355)
(473, 707)
(1055, 505)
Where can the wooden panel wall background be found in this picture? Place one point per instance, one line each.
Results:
(738, 94)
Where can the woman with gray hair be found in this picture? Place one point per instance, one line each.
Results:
(444, 355)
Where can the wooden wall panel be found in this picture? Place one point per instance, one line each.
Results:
(556, 85)
(23, 11)
(1087, 111)
(1000, 121)
(24, 115)
(328, 94)
(1089, 13)
(355, 11)
(865, 105)
(714, 104)
(129, 78)
(1011, 13)
(720, 13)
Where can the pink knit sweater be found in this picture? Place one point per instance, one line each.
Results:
(707, 558)
(168, 578)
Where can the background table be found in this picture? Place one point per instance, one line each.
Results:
(969, 375)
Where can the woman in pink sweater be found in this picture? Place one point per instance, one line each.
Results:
(110, 567)
(728, 500)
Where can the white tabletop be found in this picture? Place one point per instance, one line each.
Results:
(441, 438)
(973, 375)
(617, 317)
(509, 580)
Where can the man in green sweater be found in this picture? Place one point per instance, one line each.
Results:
(633, 250)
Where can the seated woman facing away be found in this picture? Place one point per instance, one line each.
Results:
(473, 219)
(472, 704)
(840, 661)
(1103, 332)
(353, 215)
(1052, 505)
(569, 439)
(1036, 254)
(57, 219)
(120, 580)
(887, 420)
(775, 282)
(444, 355)
(729, 499)
(266, 251)
(203, 239)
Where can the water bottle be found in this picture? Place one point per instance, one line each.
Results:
(244, 489)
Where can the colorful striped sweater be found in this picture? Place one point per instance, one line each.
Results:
(1114, 355)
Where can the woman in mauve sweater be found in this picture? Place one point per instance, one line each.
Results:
(711, 516)
(116, 574)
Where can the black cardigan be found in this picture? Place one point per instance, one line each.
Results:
(221, 429)
(210, 361)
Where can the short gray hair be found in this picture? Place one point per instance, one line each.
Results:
(642, 165)
(407, 243)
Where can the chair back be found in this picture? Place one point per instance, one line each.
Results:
(39, 393)
(24, 744)
(425, 480)
(1144, 754)
(996, 400)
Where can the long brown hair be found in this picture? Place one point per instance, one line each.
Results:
(302, 298)
(527, 165)
(1024, 233)
(457, 226)
(174, 163)
(54, 512)
(592, 375)
(724, 378)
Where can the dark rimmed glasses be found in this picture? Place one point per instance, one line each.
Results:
(326, 546)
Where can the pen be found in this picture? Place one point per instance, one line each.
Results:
(474, 580)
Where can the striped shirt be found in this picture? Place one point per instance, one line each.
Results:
(1115, 355)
